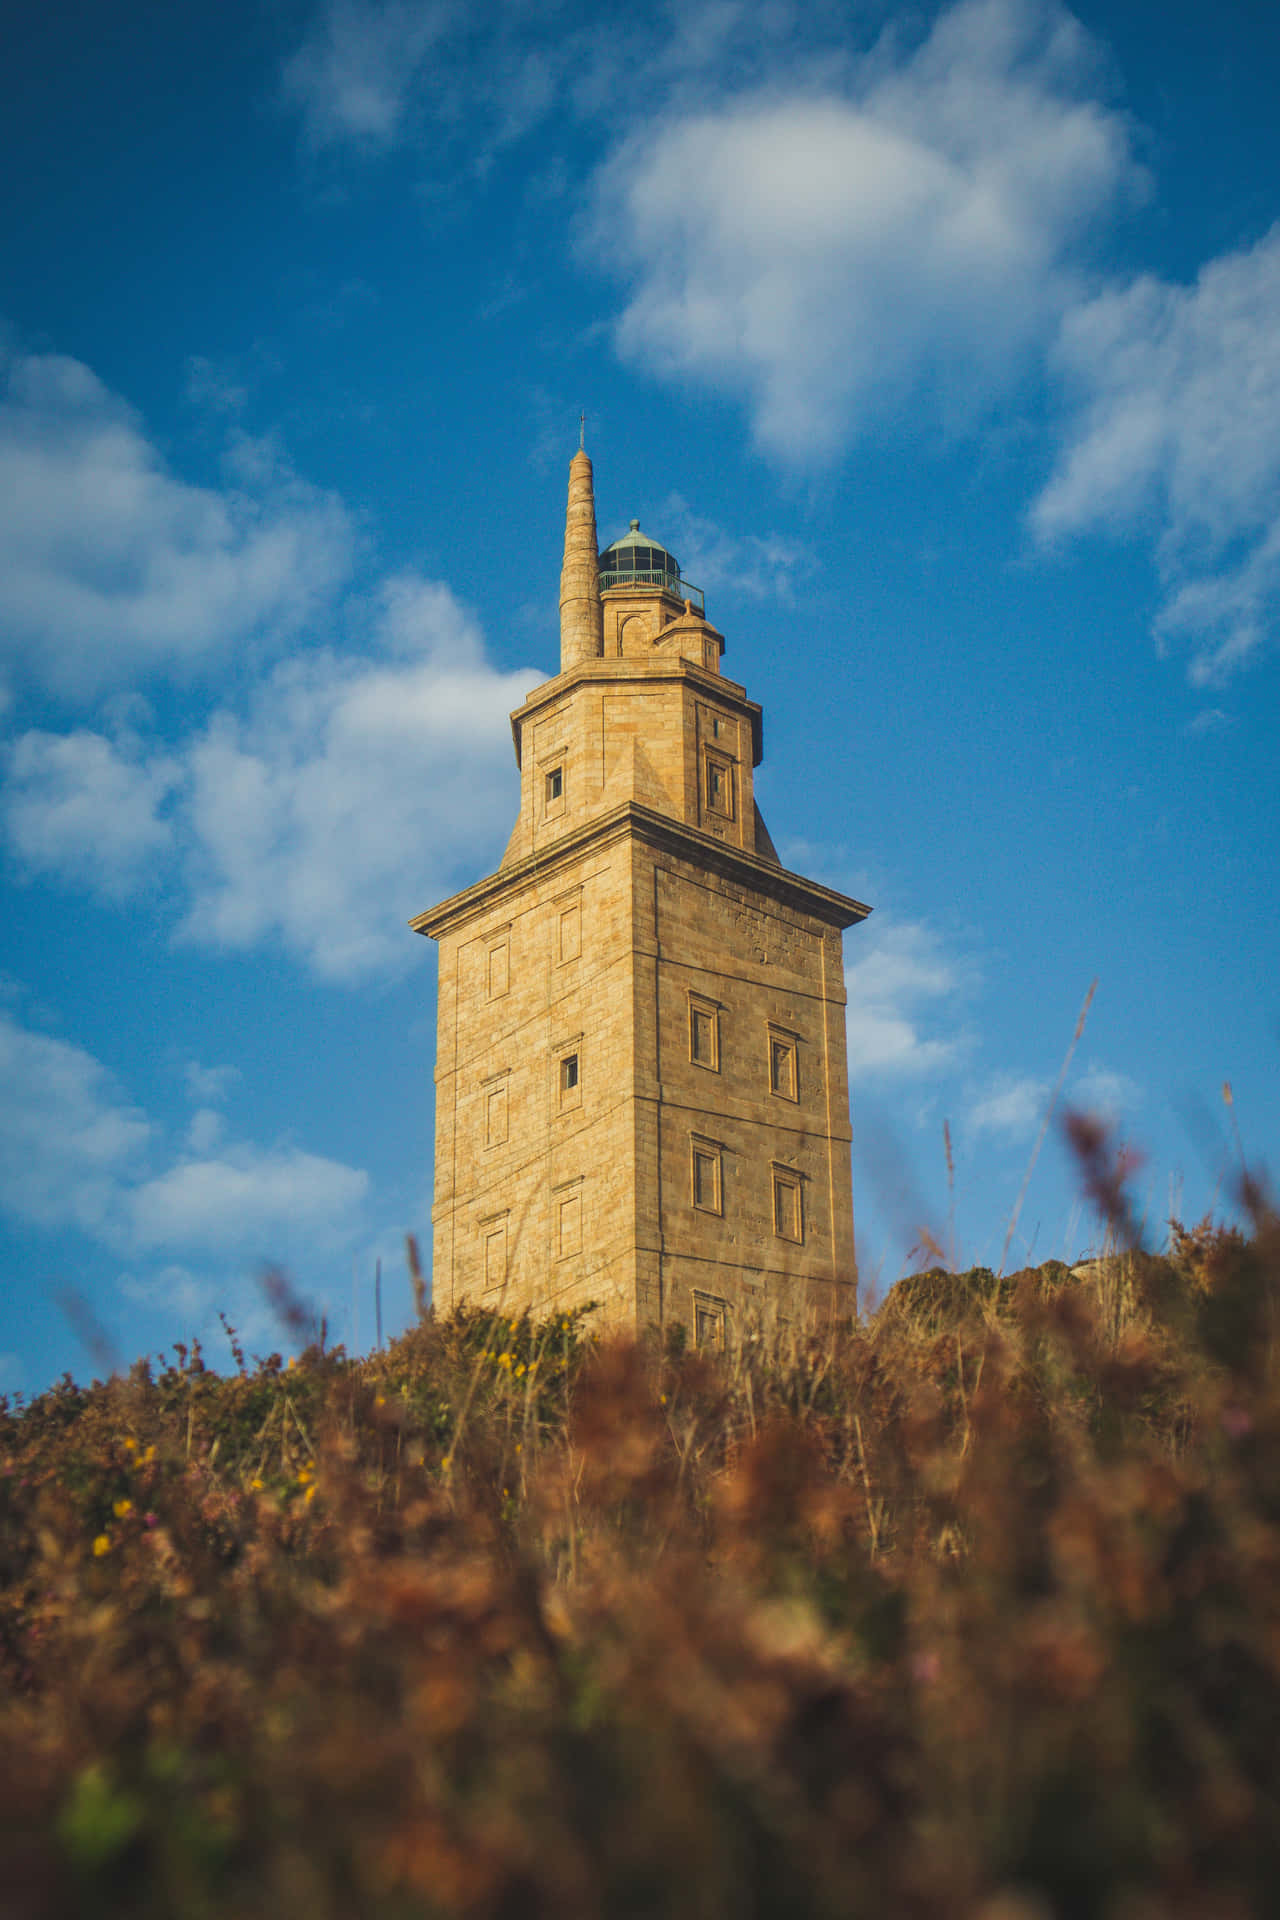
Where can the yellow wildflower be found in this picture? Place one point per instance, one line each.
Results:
(310, 1494)
(379, 1399)
(101, 1545)
(256, 1485)
(148, 1456)
(131, 1445)
(122, 1509)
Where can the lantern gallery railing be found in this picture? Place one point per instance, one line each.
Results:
(638, 577)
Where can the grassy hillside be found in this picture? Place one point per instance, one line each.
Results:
(973, 1609)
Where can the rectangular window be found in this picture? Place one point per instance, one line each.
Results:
(788, 1205)
(569, 936)
(499, 974)
(495, 1255)
(569, 1080)
(706, 1170)
(704, 1033)
(553, 791)
(569, 1225)
(784, 1075)
(495, 1116)
(709, 1317)
(719, 777)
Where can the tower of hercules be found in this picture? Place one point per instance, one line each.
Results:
(641, 1084)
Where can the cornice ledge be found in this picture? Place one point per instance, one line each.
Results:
(808, 896)
(840, 909)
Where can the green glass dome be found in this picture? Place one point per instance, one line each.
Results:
(639, 559)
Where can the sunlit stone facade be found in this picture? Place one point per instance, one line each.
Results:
(641, 1082)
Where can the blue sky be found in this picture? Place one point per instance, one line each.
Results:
(941, 346)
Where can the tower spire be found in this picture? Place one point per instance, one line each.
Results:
(581, 615)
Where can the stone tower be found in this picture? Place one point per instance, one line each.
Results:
(641, 1083)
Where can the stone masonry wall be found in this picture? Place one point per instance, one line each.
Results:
(550, 1194)
(650, 732)
(760, 976)
(534, 1199)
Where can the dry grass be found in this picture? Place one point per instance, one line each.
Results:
(971, 1609)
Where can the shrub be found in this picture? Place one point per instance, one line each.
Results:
(971, 1608)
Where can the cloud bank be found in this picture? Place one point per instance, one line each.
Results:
(353, 791)
(826, 254)
(1177, 428)
(111, 565)
(354, 75)
(850, 236)
(74, 1151)
(902, 989)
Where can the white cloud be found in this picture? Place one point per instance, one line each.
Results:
(1209, 720)
(370, 75)
(205, 1129)
(75, 1153)
(762, 566)
(111, 565)
(69, 1142)
(901, 987)
(826, 252)
(1178, 396)
(356, 792)
(355, 74)
(215, 387)
(1101, 1090)
(1014, 1104)
(175, 1289)
(208, 1085)
(248, 1198)
(87, 809)
(460, 81)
